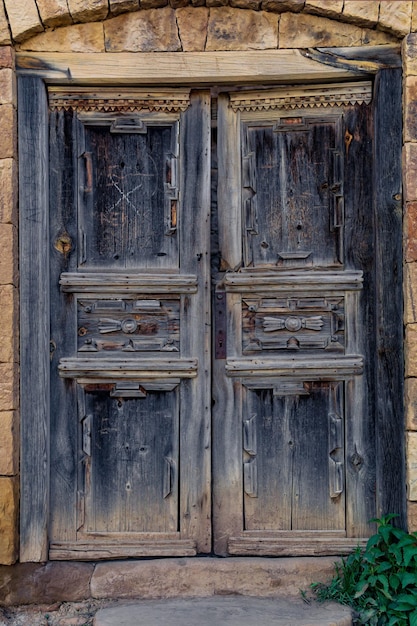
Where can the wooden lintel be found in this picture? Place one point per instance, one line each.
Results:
(364, 59)
(166, 68)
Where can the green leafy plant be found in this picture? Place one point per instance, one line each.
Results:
(379, 582)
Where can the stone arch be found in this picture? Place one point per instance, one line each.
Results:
(372, 22)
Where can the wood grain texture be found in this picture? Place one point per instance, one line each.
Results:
(389, 337)
(34, 326)
(155, 68)
(194, 233)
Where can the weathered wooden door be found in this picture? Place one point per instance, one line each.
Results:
(306, 299)
(130, 366)
(297, 464)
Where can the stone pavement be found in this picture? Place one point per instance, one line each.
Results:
(225, 611)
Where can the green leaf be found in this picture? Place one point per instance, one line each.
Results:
(409, 552)
(413, 618)
(394, 581)
(408, 578)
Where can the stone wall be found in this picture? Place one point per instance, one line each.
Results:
(186, 25)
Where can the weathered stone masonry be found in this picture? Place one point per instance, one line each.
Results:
(181, 25)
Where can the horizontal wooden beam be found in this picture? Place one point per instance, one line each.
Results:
(170, 68)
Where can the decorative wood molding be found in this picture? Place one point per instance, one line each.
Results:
(109, 100)
(304, 97)
(308, 369)
(290, 282)
(111, 283)
(86, 371)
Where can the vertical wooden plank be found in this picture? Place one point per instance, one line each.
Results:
(388, 219)
(34, 327)
(229, 186)
(194, 229)
(360, 324)
(64, 455)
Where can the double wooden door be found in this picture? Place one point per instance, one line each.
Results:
(213, 321)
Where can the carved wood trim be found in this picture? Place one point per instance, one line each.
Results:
(310, 369)
(304, 97)
(293, 281)
(110, 100)
(127, 283)
(85, 371)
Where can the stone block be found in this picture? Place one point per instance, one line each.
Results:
(191, 577)
(7, 56)
(23, 23)
(255, 5)
(153, 4)
(409, 54)
(411, 457)
(411, 351)
(410, 232)
(361, 12)
(8, 255)
(410, 171)
(410, 108)
(8, 131)
(192, 26)
(308, 31)
(152, 30)
(179, 4)
(327, 8)
(414, 18)
(75, 38)
(9, 505)
(122, 6)
(9, 386)
(395, 17)
(33, 583)
(410, 397)
(218, 3)
(54, 12)
(8, 191)
(5, 38)
(7, 86)
(9, 443)
(9, 329)
(88, 10)
(377, 37)
(230, 29)
(410, 293)
(280, 6)
(412, 517)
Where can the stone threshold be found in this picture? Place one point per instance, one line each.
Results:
(147, 579)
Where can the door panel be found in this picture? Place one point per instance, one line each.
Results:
(293, 451)
(291, 191)
(130, 364)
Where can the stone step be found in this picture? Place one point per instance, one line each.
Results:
(225, 611)
(200, 577)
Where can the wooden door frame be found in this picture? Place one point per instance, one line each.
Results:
(35, 71)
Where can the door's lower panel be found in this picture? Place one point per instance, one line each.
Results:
(96, 550)
(294, 544)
